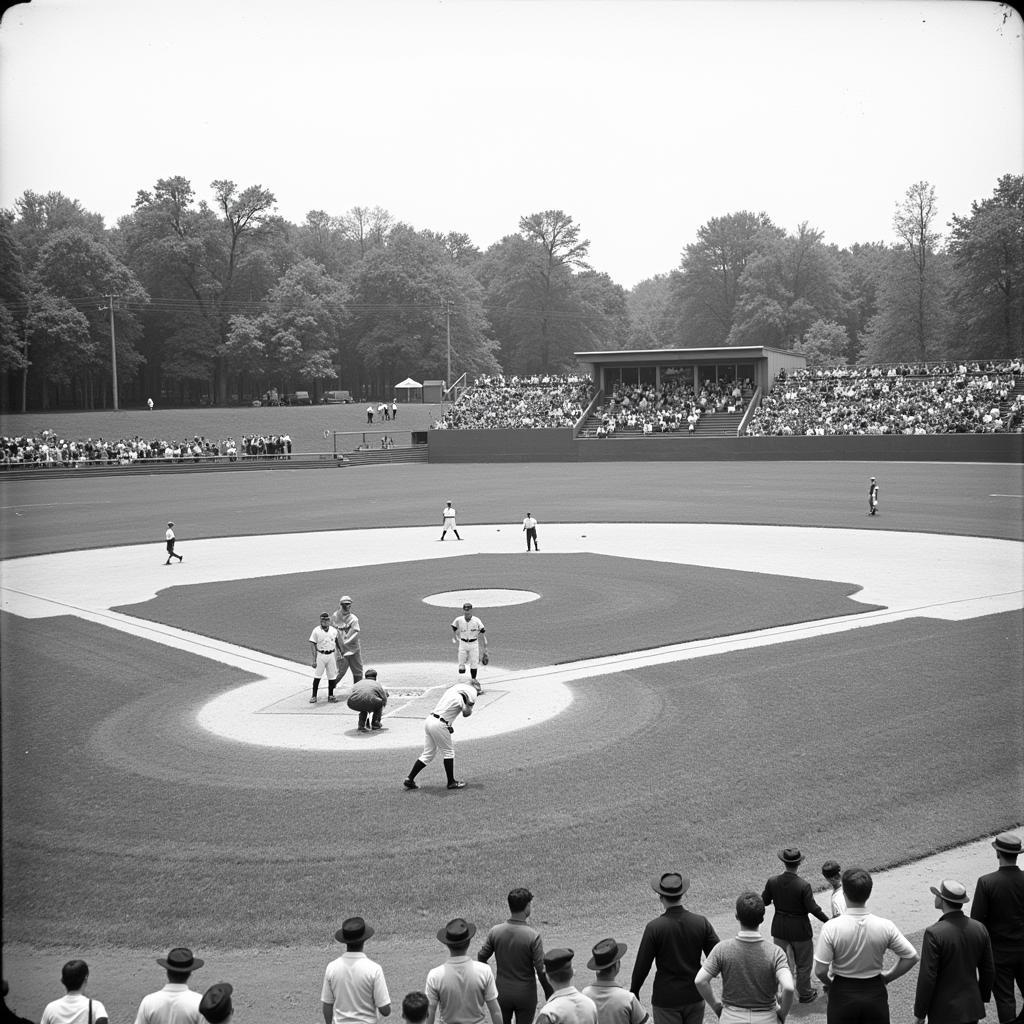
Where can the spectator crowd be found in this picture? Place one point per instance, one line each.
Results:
(673, 406)
(746, 979)
(943, 398)
(499, 402)
(50, 451)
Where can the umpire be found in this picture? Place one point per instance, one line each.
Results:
(369, 698)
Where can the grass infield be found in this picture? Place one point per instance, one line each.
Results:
(127, 829)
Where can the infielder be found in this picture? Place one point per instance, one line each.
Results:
(349, 654)
(448, 521)
(437, 727)
(324, 641)
(530, 529)
(872, 497)
(169, 537)
(469, 633)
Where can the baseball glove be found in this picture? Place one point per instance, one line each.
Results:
(485, 658)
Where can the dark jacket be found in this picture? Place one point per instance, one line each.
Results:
(954, 980)
(674, 942)
(999, 905)
(793, 901)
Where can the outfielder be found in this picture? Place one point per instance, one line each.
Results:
(171, 553)
(349, 654)
(469, 633)
(872, 497)
(437, 728)
(448, 521)
(324, 640)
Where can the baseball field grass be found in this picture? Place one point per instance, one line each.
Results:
(128, 829)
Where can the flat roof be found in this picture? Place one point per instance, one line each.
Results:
(723, 352)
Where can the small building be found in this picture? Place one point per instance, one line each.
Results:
(759, 364)
(433, 391)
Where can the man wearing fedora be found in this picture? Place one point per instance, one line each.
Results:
(674, 943)
(461, 990)
(850, 955)
(615, 1004)
(791, 929)
(999, 905)
(954, 980)
(752, 972)
(567, 1004)
(354, 990)
(175, 1003)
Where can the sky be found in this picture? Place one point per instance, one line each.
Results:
(641, 119)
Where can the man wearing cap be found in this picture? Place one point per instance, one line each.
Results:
(323, 640)
(566, 1005)
(216, 1006)
(437, 727)
(615, 1004)
(853, 945)
(674, 941)
(448, 521)
(349, 653)
(354, 990)
(530, 529)
(462, 990)
(999, 905)
(369, 698)
(872, 497)
(469, 633)
(169, 538)
(954, 980)
(752, 972)
(175, 1003)
(519, 956)
(791, 930)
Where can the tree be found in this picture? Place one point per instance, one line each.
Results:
(987, 248)
(648, 303)
(913, 222)
(790, 283)
(706, 286)
(824, 344)
(59, 341)
(864, 266)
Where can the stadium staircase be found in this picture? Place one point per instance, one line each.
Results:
(386, 456)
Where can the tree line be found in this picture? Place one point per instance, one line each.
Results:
(218, 299)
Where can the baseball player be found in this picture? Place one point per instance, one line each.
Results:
(169, 535)
(872, 497)
(530, 529)
(469, 633)
(349, 654)
(324, 641)
(437, 728)
(448, 521)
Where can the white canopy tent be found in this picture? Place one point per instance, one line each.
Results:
(409, 387)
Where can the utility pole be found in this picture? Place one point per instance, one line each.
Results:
(113, 347)
(448, 317)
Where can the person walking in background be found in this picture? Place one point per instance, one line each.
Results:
(791, 930)
(175, 1003)
(954, 980)
(437, 727)
(999, 906)
(324, 640)
(369, 698)
(519, 956)
(354, 990)
(833, 874)
(674, 942)
(615, 1004)
(75, 1007)
(350, 655)
(461, 990)
(566, 1005)
(752, 972)
(448, 521)
(850, 954)
(530, 529)
(170, 538)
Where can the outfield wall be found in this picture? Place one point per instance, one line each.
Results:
(558, 445)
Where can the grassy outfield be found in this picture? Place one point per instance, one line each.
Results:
(127, 829)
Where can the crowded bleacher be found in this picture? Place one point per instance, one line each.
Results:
(48, 450)
(920, 398)
(519, 402)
